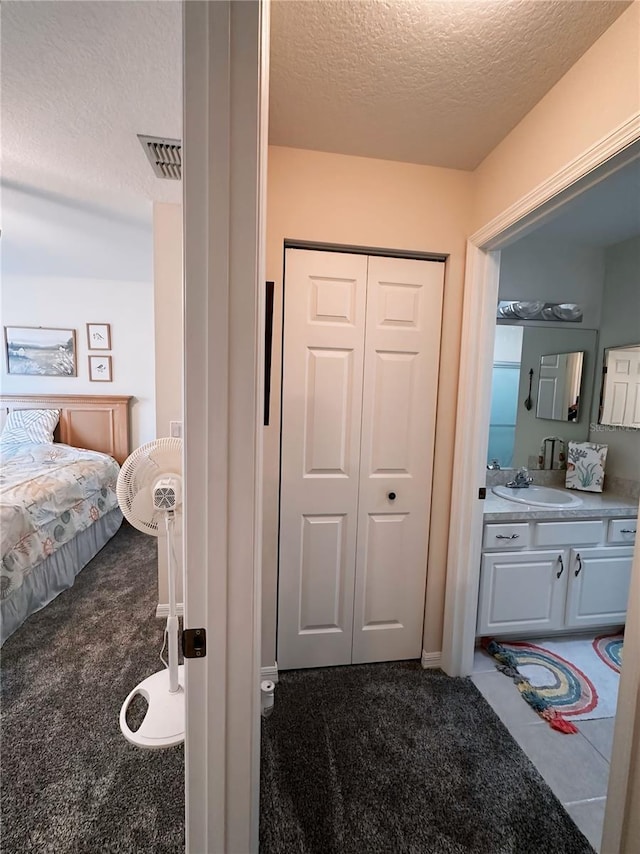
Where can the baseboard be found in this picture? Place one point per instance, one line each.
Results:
(431, 659)
(163, 610)
(269, 672)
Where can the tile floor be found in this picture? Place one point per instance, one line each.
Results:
(576, 767)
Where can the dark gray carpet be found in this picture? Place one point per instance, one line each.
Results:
(375, 758)
(392, 758)
(70, 782)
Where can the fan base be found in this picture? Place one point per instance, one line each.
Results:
(163, 724)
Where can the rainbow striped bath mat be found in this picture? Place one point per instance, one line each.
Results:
(564, 680)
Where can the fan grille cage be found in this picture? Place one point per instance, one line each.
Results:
(139, 472)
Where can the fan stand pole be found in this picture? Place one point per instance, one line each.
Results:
(172, 619)
(150, 487)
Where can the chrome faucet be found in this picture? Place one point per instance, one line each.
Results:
(521, 480)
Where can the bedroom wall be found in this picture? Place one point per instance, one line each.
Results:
(59, 302)
(65, 264)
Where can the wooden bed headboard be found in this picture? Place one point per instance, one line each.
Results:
(92, 421)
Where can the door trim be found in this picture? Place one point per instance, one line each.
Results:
(469, 461)
(365, 250)
(226, 53)
(585, 171)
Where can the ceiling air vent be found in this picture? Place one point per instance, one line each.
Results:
(165, 156)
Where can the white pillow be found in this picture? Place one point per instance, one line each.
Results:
(30, 426)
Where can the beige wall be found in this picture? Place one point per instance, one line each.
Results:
(364, 202)
(596, 95)
(167, 286)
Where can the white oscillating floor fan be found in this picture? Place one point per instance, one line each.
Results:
(149, 493)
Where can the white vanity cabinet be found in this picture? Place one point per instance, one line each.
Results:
(522, 591)
(555, 575)
(598, 586)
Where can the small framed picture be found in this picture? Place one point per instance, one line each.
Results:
(100, 369)
(99, 336)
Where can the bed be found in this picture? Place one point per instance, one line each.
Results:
(58, 504)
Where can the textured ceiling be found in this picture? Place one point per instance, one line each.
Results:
(421, 81)
(79, 81)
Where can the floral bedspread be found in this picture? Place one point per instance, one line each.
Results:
(48, 494)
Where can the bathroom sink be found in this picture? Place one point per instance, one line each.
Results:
(538, 496)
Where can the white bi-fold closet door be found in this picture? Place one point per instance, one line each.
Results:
(360, 374)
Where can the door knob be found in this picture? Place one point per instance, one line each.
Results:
(391, 496)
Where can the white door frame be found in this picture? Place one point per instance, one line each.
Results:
(474, 395)
(226, 52)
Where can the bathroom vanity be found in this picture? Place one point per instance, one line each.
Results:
(551, 570)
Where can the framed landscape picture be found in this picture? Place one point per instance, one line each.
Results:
(100, 369)
(40, 351)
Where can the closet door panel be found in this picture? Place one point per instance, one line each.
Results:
(328, 424)
(323, 351)
(402, 347)
(394, 376)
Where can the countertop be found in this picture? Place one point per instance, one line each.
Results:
(594, 505)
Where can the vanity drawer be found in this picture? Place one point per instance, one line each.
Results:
(508, 536)
(568, 533)
(622, 531)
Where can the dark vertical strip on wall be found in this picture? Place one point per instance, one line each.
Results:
(268, 341)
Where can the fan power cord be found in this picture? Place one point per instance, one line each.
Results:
(164, 645)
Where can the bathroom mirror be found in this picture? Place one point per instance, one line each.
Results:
(620, 398)
(559, 384)
(522, 355)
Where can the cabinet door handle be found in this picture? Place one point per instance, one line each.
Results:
(627, 530)
(579, 569)
(561, 570)
(507, 537)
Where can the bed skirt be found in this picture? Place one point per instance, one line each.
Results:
(56, 573)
